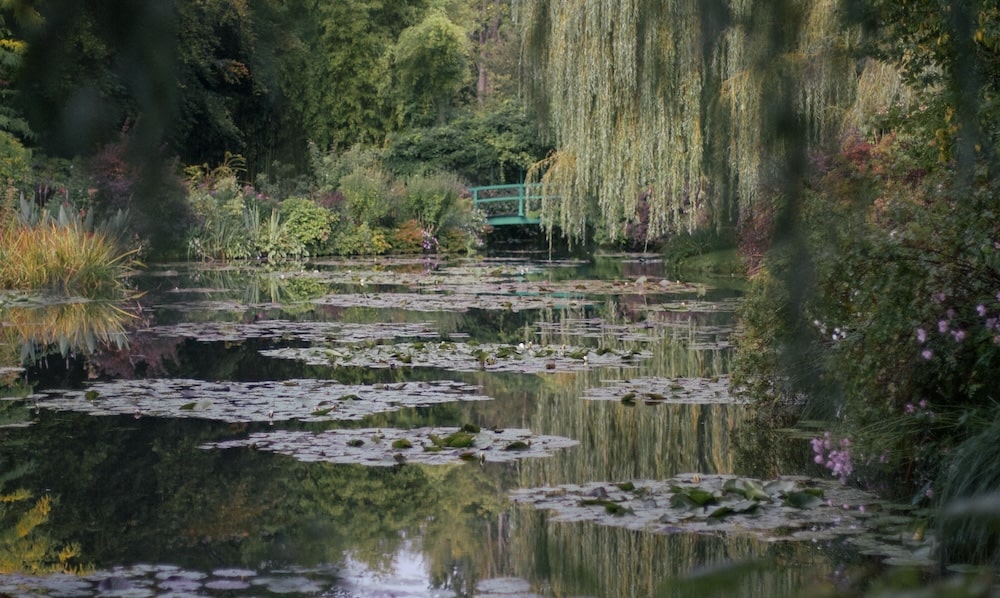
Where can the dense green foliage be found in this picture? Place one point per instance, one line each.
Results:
(113, 114)
(877, 304)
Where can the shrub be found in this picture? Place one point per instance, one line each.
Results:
(308, 223)
(433, 200)
(408, 238)
(218, 202)
(270, 238)
(889, 320)
(14, 159)
(369, 196)
(360, 240)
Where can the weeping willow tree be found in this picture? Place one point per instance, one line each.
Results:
(684, 104)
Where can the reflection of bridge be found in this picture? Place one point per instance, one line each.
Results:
(509, 204)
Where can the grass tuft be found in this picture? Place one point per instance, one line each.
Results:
(67, 259)
(970, 533)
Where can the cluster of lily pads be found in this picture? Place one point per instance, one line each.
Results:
(791, 508)
(429, 446)
(297, 399)
(139, 581)
(457, 301)
(208, 332)
(463, 356)
(652, 391)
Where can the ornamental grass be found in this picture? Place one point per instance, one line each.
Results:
(61, 258)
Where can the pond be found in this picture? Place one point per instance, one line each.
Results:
(503, 426)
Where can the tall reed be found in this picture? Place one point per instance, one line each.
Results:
(63, 258)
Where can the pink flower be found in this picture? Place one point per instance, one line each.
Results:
(910, 408)
(981, 310)
(921, 335)
(943, 326)
(959, 335)
(923, 403)
(927, 354)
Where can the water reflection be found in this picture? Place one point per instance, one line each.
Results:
(29, 332)
(141, 491)
(586, 559)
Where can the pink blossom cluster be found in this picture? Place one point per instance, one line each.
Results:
(835, 456)
(430, 242)
(947, 327)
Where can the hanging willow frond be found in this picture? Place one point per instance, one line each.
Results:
(650, 102)
(880, 87)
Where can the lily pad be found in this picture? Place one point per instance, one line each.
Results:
(298, 331)
(377, 447)
(709, 504)
(460, 357)
(304, 400)
(665, 390)
(169, 580)
(458, 301)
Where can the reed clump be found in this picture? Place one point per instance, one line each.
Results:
(60, 258)
(61, 254)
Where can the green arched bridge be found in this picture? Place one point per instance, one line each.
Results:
(506, 205)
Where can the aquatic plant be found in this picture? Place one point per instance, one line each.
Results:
(390, 447)
(305, 400)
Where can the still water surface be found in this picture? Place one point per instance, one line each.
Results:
(155, 508)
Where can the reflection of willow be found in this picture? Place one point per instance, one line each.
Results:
(686, 349)
(620, 442)
(593, 560)
(76, 326)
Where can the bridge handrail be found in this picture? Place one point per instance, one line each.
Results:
(519, 192)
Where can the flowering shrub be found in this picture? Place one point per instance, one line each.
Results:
(837, 460)
(408, 238)
(897, 310)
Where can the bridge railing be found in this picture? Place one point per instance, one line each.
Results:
(517, 200)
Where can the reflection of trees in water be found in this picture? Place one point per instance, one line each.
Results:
(243, 507)
(568, 559)
(688, 344)
(620, 442)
